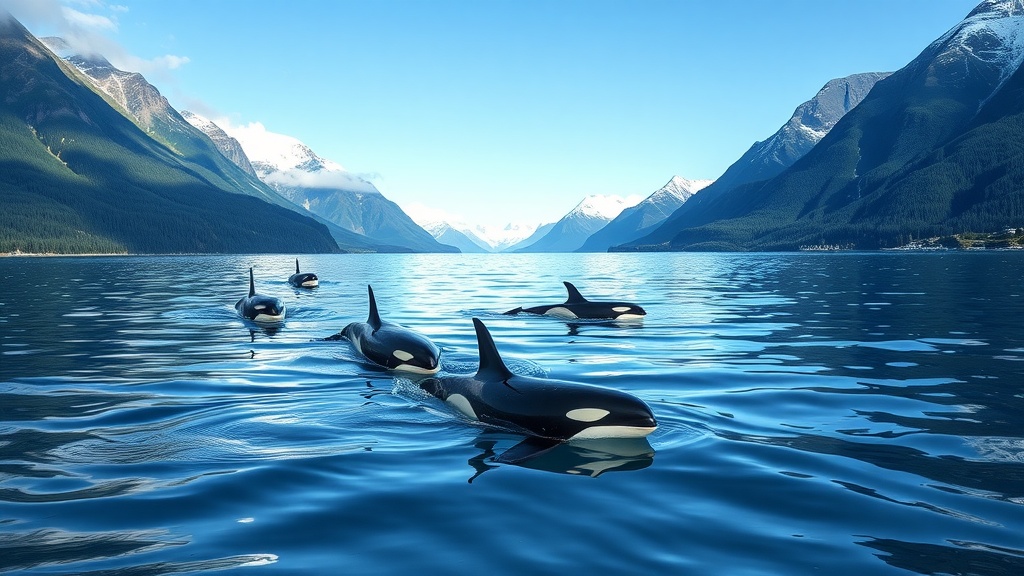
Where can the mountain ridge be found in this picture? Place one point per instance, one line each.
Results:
(572, 230)
(78, 175)
(632, 222)
(897, 166)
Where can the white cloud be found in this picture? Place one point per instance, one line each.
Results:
(291, 159)
(78, 19)
(158, 65)
(87, 28)
(321, 179)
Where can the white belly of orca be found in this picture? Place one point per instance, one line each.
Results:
(595, 432)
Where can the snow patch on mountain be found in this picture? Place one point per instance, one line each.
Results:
(603, 206)
(681, 188)
(285, 162)
(993, 33)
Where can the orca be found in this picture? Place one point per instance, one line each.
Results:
(576, 306)
(259, 307)
(303, 279)
(391, 345)
(550, 409)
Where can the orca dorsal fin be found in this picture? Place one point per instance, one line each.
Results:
(374, 318)
(252, 284)
(574, 295)
(491, 364)
(296, 265)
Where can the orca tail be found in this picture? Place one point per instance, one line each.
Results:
(513, 311)
(252, 284)
(574, 295)
(491, 364)
(374, 318)
(296, 265)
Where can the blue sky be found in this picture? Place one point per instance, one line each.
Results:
(500, 111)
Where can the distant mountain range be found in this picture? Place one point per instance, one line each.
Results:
(465, 241)
(94, 159)
(931, 150)
(636, 220)
(79, 174)
(573, 229)
(370, 223)
(325, 189)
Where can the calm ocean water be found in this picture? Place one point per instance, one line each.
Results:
(820, 413)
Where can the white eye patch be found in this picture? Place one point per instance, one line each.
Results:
(621, 309)
(402, 355)
(586, 414)
(259, 306)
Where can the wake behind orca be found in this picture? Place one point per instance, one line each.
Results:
(576, 306)
(391, 345)
(552, 409)
(259, 307)
(303, 279)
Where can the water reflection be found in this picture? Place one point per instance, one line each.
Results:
(42, 548)
(577, 327)
(580, 458)
(959, 558)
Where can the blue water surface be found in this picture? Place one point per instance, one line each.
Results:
(820, 413)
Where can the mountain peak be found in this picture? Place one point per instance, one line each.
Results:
(992, 33)
(998, 8)
(602, 206)
(681, 188)
(279, 152)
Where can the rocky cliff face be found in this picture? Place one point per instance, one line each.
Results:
(810, 122)
(227, 145)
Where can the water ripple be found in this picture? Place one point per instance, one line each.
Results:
(839, 413)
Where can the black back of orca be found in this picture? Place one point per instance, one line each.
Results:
(540, 407)
(303, 279)
(576, 306)
(259, 307)
(391, 345)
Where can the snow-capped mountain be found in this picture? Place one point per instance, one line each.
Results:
(490, 238)
(504, 237)
(635, 221)
(219, 158)
(285, 162)
(992, 34)
(324, 188)
(117, 184)
(467, 242)
(932, 150)
(573, 229)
